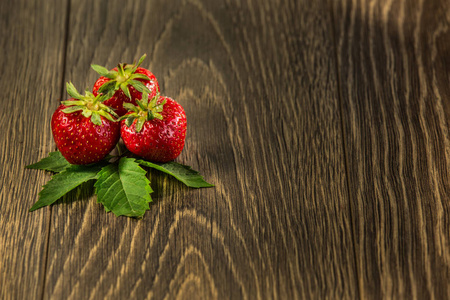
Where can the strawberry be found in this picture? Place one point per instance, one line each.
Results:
(124, 84)
(154, 130)
(83, 128)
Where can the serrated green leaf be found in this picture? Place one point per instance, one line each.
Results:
(124, 189)
(183, 173)
(55, 162)
(65, 181)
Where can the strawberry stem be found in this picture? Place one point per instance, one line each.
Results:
(89, 105)
(145, 111)
(124, 76)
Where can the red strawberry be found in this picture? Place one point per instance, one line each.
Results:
(83, 128)
(125, 84)
(155, 131)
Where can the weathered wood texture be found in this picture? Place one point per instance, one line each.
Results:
(323, 125)
(393, 62)
(31, 49)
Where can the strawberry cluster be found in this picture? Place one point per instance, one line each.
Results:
(125, 103)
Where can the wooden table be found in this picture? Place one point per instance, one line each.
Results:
(324, 126)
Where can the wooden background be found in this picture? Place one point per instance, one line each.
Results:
(323, 124)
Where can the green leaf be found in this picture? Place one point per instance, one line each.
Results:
(88, 94)
(128, 67)
(183, 173)
(74, 102)
(110, 111)
(129, 121)
(55, 162)
(124, 189)
(156, 115)
(125, 90)
(130, 107)
(108, 87)
(139, 63)
(86, 113)
(154, 100)
(95, 118)
(144, 99)
(106, 115)
(159, 107)
(139, 86)
(141, 105)
(139, 124)
(103, 71)
(121, 70)
(72, 109)
(102, 97)
(64, 182)
(140, 76)
(72, 91)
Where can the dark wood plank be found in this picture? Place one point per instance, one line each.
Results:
(257, 81)
(31, 48)
(393, 68)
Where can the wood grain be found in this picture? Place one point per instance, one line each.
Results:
(258, 86)
(323, 124)
(30, 80)
(393, 68)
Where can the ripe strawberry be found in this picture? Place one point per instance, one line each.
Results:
(124, 84)
(83, 128)
(155, 131)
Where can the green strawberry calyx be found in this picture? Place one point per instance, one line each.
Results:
(145, 111)
(124, 76)
(89, 105)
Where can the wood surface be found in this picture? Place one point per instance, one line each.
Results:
(32, 51)
(323, 125)
(393, 69)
